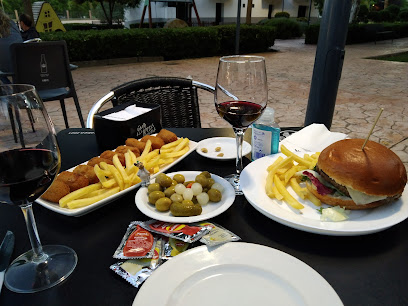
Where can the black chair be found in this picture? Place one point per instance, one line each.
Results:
(46, 66)
(177, 97)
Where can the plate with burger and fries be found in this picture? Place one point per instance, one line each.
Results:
(104, 178)
(364, 186)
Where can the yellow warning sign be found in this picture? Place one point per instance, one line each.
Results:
(48, 20)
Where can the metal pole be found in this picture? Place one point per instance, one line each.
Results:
(310, 8)
(237, 28)
(328, 62)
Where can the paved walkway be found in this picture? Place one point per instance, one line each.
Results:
(365, 86)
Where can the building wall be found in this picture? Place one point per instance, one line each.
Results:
(207, 8)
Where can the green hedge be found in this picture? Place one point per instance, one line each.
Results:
(90, 26)
(285, 28)
(169, 43)
(360, 33)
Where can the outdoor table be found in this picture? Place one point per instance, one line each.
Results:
(363, 270)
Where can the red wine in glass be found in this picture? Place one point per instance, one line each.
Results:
(240, 114)
(25, 174)
(240, 97)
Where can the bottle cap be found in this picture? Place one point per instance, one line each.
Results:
(268, 116)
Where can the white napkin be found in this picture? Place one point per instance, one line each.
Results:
(313, 138)
(128, 113)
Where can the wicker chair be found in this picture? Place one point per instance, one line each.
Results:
(177, 97)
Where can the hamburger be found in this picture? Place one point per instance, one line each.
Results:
(349, 177)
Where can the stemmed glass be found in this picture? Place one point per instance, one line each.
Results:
(29, 161)
(241, 95)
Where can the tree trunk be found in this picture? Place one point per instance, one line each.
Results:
(386, 3)
(355, 6)
(249, 12)
(28, 9)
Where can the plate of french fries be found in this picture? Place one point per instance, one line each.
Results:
(273, 186)
(117, 179)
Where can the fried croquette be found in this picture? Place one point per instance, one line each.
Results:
(57, 190)
(124, 149)
(133, 142)
(87, 171)
(167, 136)
(73, 180)
(97, 160)
(157, 142)
(108, 154)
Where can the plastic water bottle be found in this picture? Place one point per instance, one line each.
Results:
(265, 135)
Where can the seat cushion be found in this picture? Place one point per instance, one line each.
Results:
(54, 94)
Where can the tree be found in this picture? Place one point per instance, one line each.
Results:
(108, 6)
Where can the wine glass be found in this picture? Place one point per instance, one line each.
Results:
(241, 95)
(29, 161)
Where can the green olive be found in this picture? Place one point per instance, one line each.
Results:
(174, 182)
(210, 182)
(215, 195)
(154, 187)
(166, 181)
(159, 177)
(179, 178)
(169, 191)
(163, 204)
(206, 174)
(185, 209)
(202, 180)
(155, 195)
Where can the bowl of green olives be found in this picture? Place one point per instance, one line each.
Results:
(187, 196)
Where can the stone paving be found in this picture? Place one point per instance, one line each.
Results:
(366, 85)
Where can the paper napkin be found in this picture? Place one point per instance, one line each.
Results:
(313, 138)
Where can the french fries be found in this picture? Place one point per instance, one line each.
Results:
(115, 178)
(283, 172)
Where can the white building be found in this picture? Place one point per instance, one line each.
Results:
(220, 11)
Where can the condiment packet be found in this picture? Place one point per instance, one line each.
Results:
(184, 232)
(136, 243)
(136, 271)
(173, 247)
(217, 235)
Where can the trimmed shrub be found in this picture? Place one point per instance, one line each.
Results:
(385, 16)
(89, 26)
(359, 33)
(403, 15)
(374, 16)
(175, 43)
(285, 28)
(282, 15)
(146, 25)
(362, 15)
(393, 10)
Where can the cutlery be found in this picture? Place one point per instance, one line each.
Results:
(6, 249)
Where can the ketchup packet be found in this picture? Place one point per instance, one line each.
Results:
(136, 243)
(217, 235)
(136, 271)
(173, 247)
(184, 232)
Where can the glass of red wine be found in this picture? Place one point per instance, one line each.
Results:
(241, 95)
(29, 161)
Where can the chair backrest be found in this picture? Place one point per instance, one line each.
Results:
(177, 97)
(44, 65)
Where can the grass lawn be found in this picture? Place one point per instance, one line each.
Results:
(397, 57)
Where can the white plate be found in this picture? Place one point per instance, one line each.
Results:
(235, 273)
(228, 147)
(359, 223)
(77, 212)
(210, 210)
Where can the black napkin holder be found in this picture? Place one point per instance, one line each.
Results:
(111, 134)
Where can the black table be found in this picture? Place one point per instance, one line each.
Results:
(363, 270)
